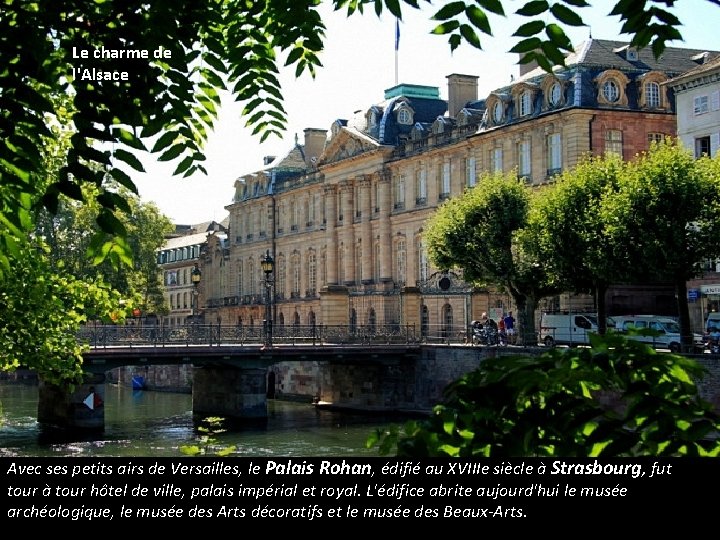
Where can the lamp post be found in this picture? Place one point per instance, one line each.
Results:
(268, 266)
(195, 277)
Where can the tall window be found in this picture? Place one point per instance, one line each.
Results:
(524, 165)
(401, 262)
(652, 94)
(399, 192)
(341, 263)
(470, 173)
(614, 142)
(554, 154)
(312, 273)
(253, 277)
(422, 261)
(241, 287)
(358, 264)
(293, 216)
(280, 272)
(445, 186)
(421, 188)
(496, 160)
(295, 275)
(376, 263)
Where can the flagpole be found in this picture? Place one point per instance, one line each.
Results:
(397, 46)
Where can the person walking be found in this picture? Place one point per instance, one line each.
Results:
(509, 321)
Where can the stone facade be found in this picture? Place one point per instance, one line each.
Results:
(342, 214)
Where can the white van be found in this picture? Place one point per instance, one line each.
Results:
(667, 328)
(712, 321)
(568, 328)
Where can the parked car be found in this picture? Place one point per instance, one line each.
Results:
(568, 328)
(666, 330)
(712, 321)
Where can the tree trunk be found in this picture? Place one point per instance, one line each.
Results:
(686, 333)
(600, 290)
(526, 320)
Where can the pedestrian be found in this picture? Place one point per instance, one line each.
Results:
(501, 330)
(509, 321)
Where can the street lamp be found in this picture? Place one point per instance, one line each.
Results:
(268, 266)
(195, 276)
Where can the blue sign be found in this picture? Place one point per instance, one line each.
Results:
(693, 294)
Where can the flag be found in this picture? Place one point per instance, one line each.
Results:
(397, 34)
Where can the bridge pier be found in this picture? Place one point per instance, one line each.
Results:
(83, 409)
(237, 394)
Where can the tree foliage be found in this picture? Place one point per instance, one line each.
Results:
(41, 311)
(568, 226)
(618, 398)
(71, 232)
(169, 104)
(481, 233)
(665, 219)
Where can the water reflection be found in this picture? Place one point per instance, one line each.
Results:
(141, 423)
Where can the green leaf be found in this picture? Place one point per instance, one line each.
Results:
(530, 29)
(493, 6)
(534, 8)
(566, 15)
(110, 224)
(127, 137)
(558, 37)
(526, 45)
(470, 36)
(449, 10)
(122, 178)
(173, 152)
(130, 159)
(446, 28)
(479, 19)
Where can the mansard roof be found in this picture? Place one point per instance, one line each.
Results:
(709, 66)
(593, 58)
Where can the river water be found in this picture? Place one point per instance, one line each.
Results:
(146, 424)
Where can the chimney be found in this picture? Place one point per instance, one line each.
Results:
(461, 89)
(314, 145)
(526, 68)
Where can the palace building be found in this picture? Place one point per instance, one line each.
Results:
(342, 213)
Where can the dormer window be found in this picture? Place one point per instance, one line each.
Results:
(498, 112)
(611, 92)
(652, 93)
(555, 94)
(404, 116)
(611, 88)
(525, 102)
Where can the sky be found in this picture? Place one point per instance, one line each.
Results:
(359, 64)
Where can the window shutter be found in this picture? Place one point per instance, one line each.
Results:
(714, 144)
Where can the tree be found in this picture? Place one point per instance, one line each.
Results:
(618, 398)
(481, 232)
(41, 310)
(169, 101)
(568, 224)
(70, 233)
(665, 219)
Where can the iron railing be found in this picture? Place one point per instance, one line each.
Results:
(98, 336)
